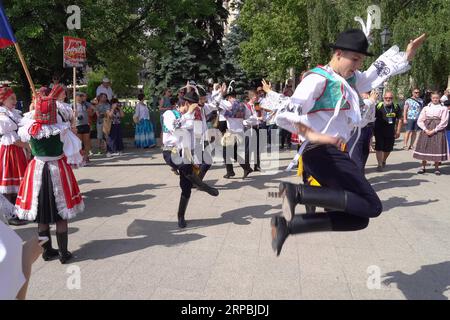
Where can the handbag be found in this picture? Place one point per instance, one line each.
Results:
(107, 122)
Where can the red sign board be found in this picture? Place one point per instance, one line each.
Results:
(74, 52)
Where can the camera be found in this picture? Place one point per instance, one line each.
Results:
(80, 117)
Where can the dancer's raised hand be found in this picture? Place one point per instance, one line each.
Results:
(267, 87)
(414, 45)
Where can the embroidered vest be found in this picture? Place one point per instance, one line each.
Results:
(47, 147)
(237, 110)
(334, 90)
(177, 115)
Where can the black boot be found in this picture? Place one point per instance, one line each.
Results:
(280, 232)
(64, 254)
(247, 171)
(230, 171)
(182, 211)
(311, 196)
(201, 185)
(299, 224)
(334, 221)
(49, 253)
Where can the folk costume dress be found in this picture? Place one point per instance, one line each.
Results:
(435, 148)
(49, 192)
(13, 158)
(145, 132)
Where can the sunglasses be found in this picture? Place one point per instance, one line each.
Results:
(388, 98)
(417, 92)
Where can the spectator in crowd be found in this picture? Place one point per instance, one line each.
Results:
(288, 91)
(446, 96)
(101, 111)
(145, 132)
(432, 143)
(115, 137)
(411, 112)
(164, 105)
(285, 135)
(55, 81)
(387, 128)
(82, 123)
(401, 101)
(447, 104)
(181, 94)
(105, 88)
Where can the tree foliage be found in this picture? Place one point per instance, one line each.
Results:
(287, 33)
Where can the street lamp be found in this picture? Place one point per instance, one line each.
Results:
(385, 37)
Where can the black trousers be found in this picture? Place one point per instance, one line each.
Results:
(285, 137)
(254, 148)
(185, 169)
(334, 169)
(362, 147)
(231, 152)
(202, 157)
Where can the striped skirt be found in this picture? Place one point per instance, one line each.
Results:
(144, 134)
(12, 168)
(434, 148)
(49, 192)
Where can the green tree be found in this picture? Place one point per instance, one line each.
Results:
(194, 52)
(277, 38)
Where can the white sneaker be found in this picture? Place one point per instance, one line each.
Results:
(109, 155)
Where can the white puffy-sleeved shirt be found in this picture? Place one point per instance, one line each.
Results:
(71, 143)
(142, 111)
(180, 131)
(9, 125)
(336, 122)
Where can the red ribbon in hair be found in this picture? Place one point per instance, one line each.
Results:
(5, 93)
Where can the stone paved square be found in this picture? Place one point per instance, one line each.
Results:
(127, 244)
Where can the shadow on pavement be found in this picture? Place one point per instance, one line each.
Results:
(428, 283)
(146, 233)
(395, 180)
(31, 230)
(395, 202)
(109, 202)
(404, 166)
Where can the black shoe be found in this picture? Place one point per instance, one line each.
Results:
(49, 253)
(257, 169)
(280, 232)
(182, 211)
(229, 175)
(64, 254)
(247, 172)
(17, 222)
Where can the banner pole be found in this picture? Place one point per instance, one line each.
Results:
(27, 72)
(75, 93)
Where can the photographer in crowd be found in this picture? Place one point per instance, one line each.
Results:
(82, 123)
(115, 137)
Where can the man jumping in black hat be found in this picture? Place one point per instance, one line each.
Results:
(324, 111)
(178, 139)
